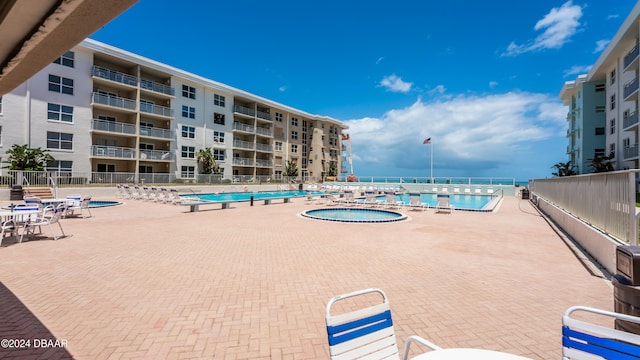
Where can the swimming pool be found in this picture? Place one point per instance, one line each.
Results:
(459, 201)
(354, 215)
(246, 196)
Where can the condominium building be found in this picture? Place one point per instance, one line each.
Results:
(102, 111)
(586, 118)
(617, 70)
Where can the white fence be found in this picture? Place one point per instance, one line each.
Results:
(606, 201)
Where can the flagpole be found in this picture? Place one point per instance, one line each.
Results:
(431, 163)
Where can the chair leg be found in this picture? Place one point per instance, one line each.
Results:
(62, 231)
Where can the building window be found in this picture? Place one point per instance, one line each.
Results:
(218, 154)
(188, 92)
(188, 112)
(189, 152)
(613, 101)
(304, 137)
(67, 59)
(278, 117)
(598, 152)
(188, 132)
(188, 172)
(294, 148)
(278, 145)
(294, 121)
(626, 143)
(612, 125)
(106, 168)
(61, 167)
(613, 76)
(218, 137)
(59, 141)
(0, 105)
(278, 174)
(218, 100)
(599, 131)
(294, 135)
(218, 119)
(62, 113)
(600, 108)
(60, 84)
(612, 150)
(598, 88)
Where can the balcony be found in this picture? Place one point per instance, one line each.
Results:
(630, 120)
(264, 163)
(263, 147)
(156, 155)
(243, 127)
(263, 115)
(113, 127)
(243, 144)
(243, 110)
(154, 109)
(115, 76)
(242, 161)
(156, 132)
(113, 101)
(631, 88)
(631, 57)
(113, 152)
(630, 152)
(157, 87)
(264, 131)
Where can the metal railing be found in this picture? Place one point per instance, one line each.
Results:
(263, 147)
(263, 115)
(630, 120)
(156, 109)
(264, 131)
(242, 127)
(243, 110)
(632, 55)
(113, 126)
(156, 87)
(113, 152)
(630, 87)
(243, 144)
(155, 155)
(607, 201)
(114, 101)
(156, 132)
(115, 76)
(630, 152)
(242, 161)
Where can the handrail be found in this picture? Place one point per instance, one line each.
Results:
(55, 187)
(24, 178)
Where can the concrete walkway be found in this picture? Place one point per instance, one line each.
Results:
(152, 281)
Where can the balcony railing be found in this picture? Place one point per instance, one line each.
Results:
(264, 163)
(263, 115)
(115, 76)
(113, 126)
(632, 55)
(630, 120)
(243, 110)
(113, 152)
(155, 155)
(242, 144)
(243, 127)
(631, 152)
(156, 109)
(264, 131)
(263, 147)
(157, 87)
(630, 87)
(155, 132)
(114, 101)
(242, 161)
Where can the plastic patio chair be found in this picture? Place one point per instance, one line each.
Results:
(366, 333)
(49, 217)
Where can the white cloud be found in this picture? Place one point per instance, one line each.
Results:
(282, 88)
(601, 45)
(440, 89)
(613, 16)
(577, 70)
(379, 60)
(559, 25)
(493, 84)
(395, 84)
(470, 134)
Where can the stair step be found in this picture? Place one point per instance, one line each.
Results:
(41, 192)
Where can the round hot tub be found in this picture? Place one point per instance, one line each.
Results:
(354, 215)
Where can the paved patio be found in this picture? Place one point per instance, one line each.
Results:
(152, 281)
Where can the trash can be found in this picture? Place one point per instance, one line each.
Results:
(626, 286)
(17, 193)
(524, 193)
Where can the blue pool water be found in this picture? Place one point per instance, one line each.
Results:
(354, 215)
(246, 196)
(459, 201)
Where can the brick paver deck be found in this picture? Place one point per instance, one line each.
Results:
(147, 280)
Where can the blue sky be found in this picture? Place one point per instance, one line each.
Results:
(481, 79)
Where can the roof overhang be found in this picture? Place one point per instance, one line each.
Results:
(36, 32)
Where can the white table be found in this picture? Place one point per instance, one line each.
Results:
(19, 218)
(464, 353)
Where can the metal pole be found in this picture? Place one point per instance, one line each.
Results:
(431, 151)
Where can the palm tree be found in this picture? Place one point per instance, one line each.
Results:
(602, 163)
(22, 157)
(563, 169)
(292, 169)
(207, 161)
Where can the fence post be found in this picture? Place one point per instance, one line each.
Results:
(633, 217)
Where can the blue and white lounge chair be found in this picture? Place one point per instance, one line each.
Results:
(366, 333)
(586, 340)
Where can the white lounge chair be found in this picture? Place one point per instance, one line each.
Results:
(365, 333)
(416, 203)
(391, 201)
(444, 204)
(79, 209)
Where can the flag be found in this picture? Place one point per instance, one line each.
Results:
(427, 141)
